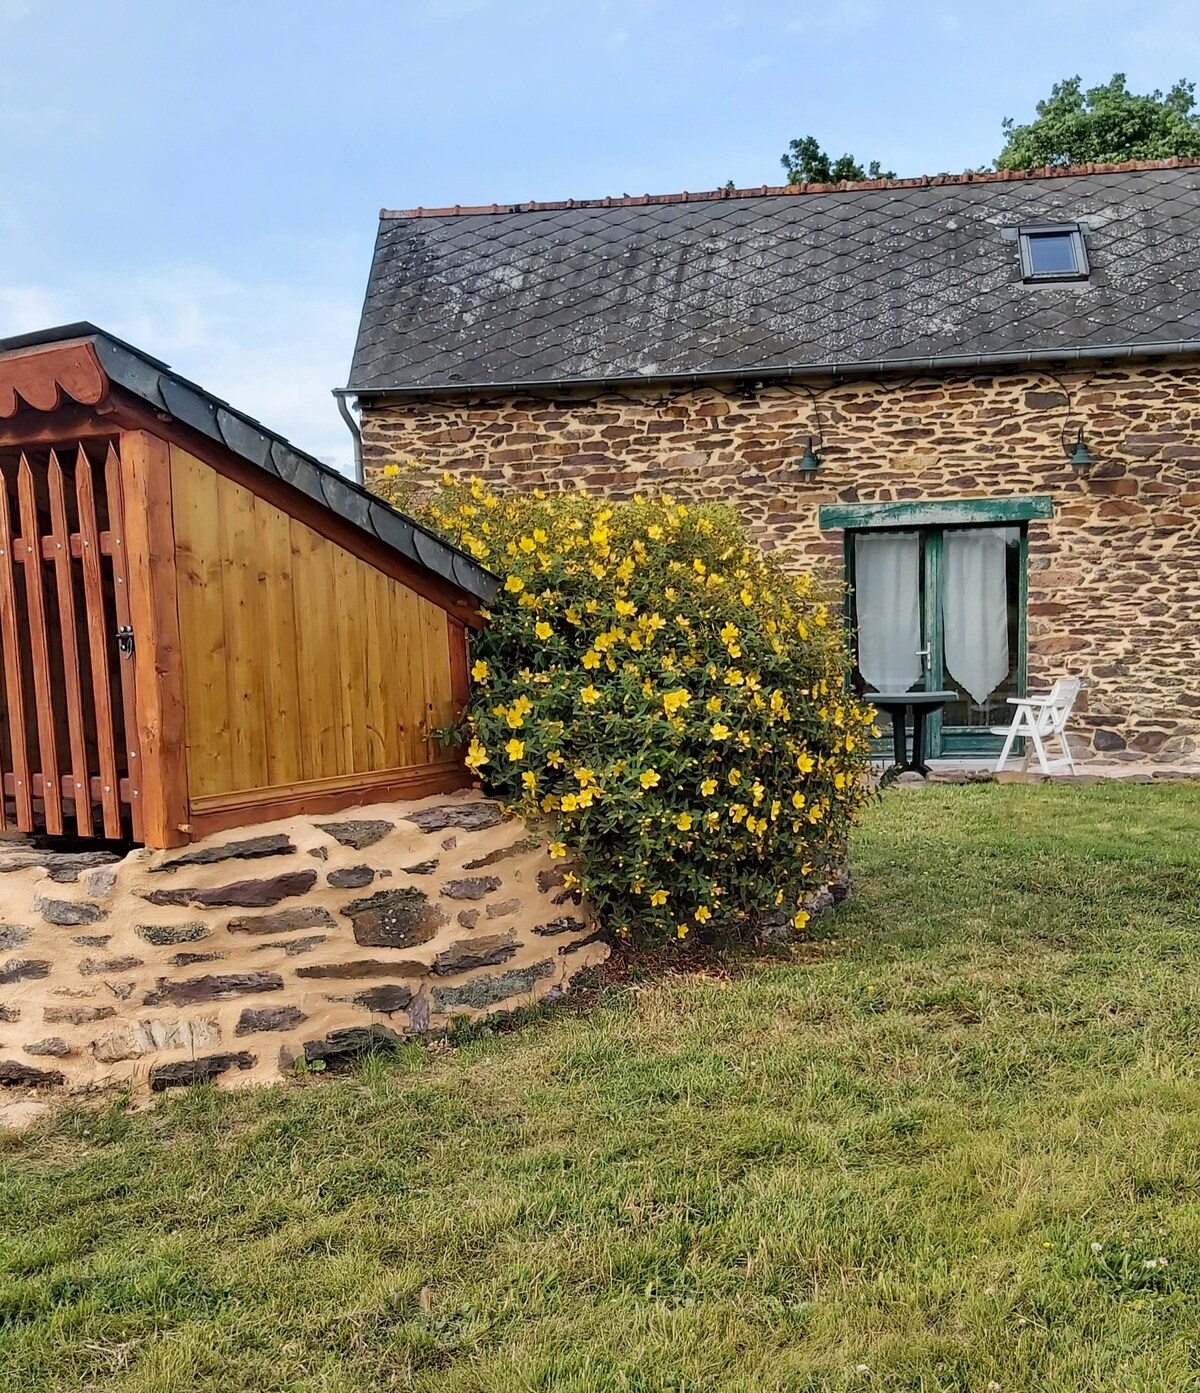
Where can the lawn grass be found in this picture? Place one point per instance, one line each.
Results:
(885, 1165)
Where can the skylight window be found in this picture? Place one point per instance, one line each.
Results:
(1053, 253)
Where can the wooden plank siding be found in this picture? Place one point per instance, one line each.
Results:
(152, 584)
(307, 673)
(108, 785)
(81, 792)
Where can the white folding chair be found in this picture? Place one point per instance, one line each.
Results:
(1038, 719)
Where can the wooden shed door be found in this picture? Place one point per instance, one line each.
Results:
(68, 742)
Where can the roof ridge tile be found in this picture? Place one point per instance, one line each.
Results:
(921, 181)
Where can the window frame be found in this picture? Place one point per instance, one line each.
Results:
(1028, 231)
(942, 741)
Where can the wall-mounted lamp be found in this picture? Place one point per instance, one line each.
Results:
(1081, 456)
(809, 461)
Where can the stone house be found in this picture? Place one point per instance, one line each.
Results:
(974, 398)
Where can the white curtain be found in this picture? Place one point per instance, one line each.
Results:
(975, 609)
(887, 585)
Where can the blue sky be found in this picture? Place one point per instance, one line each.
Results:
(204, 179)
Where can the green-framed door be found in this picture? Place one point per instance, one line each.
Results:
(947, 613)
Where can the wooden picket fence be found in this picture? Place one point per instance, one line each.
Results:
(68, 741)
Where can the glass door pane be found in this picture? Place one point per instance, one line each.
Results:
(980, 612)
(888, 610)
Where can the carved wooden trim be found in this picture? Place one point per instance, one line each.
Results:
(45, 378)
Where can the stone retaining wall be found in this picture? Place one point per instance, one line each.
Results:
(298, 939)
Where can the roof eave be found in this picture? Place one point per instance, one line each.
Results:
(790, 372)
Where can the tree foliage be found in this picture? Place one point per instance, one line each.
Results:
(807, 163)
(1104, 125)
(667, 695)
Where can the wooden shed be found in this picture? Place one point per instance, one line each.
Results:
(201, 626)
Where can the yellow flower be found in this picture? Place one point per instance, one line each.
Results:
(684, 822)
(557, 850)
(529, 779)
(658, 898)
(654, 532)
(805, 765)
(390, 471)
(515, 750)
(589, 695)
(625, 609)
(543, 630)
(570, 802)
(681, 930)
(714, 704)
(476, 755)
(708, 787)
(649, 779)
(554, 759)
(591, 659)
(480, 671)
(802, 918)
(719, 731)
(514, 585)
(703, 913)
(673, 701)
(735, 777)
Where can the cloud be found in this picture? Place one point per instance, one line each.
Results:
(271, 350)
(450, 9)
(836, 17)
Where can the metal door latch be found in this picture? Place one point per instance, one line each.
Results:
(125, 640)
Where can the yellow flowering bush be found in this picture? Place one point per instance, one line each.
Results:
(668, 695)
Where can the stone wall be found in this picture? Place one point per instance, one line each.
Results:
(297, 939)
(1114, 577)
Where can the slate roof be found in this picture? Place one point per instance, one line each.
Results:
(155, 383)
(774, 281)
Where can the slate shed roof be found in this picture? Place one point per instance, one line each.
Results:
(157, 385)
(840, 277)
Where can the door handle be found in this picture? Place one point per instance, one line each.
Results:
(923, 652)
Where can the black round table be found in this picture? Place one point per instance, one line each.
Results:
(897, 704)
